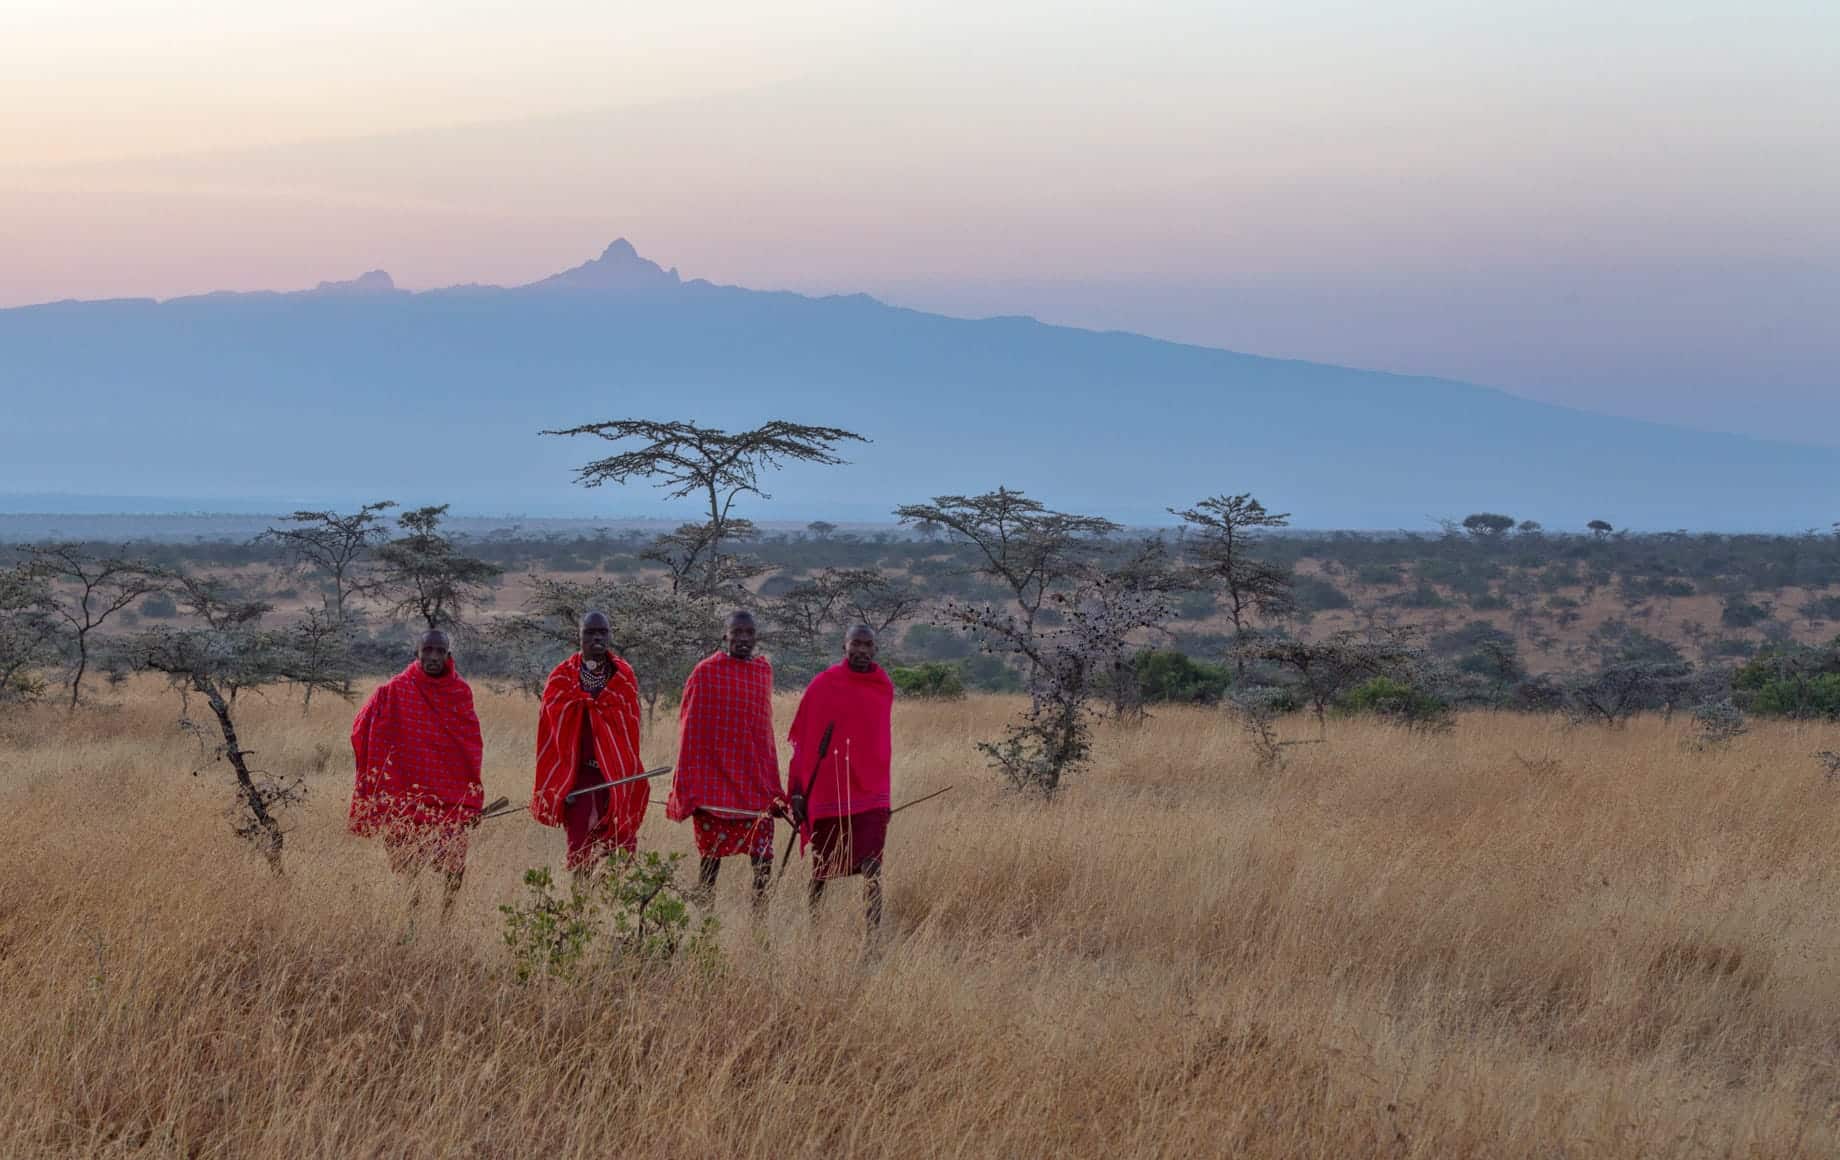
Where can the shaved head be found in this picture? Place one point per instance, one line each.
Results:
(596, 636)
(739, 634)
(433, 653)
(859, 649)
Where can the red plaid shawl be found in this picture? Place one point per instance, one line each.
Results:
(726, 755)
(614, 717)
(854, 774)
(417, 753)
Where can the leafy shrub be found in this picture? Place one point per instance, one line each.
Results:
(990, 674)
(1315, 594)
(934, 679)
(1822, 608)
(632, 908)
(1798, 696)
(159, 606)
(1396, 701)
(1424, 596)
(1195, 605)
(1165, 676)
(930, 642)
(1738, 612)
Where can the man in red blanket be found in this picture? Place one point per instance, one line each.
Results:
(840, 802)
(727, 777)
(417, 748)
(588, 735)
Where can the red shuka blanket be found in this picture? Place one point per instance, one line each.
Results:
(853, 777)
(614, 718)
(417, 753)
(726, 756)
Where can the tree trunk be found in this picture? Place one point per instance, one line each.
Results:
(76, 679)
(264, 830)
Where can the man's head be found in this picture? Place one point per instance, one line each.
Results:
(432, 652)
(596, 637)
(739, 633)
(859, 649)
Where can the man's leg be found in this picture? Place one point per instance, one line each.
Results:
(816, 892)
(451, 892)
(706, 872)
(872, 891)
(763, 878)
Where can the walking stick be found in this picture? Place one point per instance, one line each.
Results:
(929, 797)
(824, 746)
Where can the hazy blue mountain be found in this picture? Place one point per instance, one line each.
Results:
(358, 390)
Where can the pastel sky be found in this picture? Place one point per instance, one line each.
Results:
(1626, 206)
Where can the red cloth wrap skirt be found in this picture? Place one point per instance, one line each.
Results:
(849, 844)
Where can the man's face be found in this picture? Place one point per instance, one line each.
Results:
(738, 639)
(596, 638)
(859, 651)
(433, 654)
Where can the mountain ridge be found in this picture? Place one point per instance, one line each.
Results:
(1106, 421)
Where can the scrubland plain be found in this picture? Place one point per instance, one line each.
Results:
(1514, 940)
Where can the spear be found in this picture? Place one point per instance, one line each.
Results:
(650, 773)
(824, 746)
(929, 797)
(497, 809)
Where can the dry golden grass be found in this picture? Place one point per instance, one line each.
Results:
(1513, 941)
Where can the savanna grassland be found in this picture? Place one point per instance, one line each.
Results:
(1517, 939)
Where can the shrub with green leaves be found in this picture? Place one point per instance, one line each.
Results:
(1165, 676)
(932, 679)
(631, 912)
(1792, 681)
(1396, 701)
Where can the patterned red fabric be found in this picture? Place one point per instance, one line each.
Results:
(724, 837)
(613, 716)
(416, 750)
(726, 755)
(853, 777)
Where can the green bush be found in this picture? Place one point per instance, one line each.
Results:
(1822, 608)
(1315, 594)
(990, 674)
(930, 642)
(1792, 681)
(935, 679)
(1741, 613)
(159, 606)
(1396, 701)
(632, 908)
(1166, 676)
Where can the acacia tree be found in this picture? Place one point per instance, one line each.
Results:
(811, 616)
(1226, 530)
(717, 466)
(336, 545)
(225, 652)
(1323, 670)
(425, 575)
(1017, 541)
(661, 634)
(1048, 561)
(83, 591)
(1100, 616)
(1139, 588)
(28, 634)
